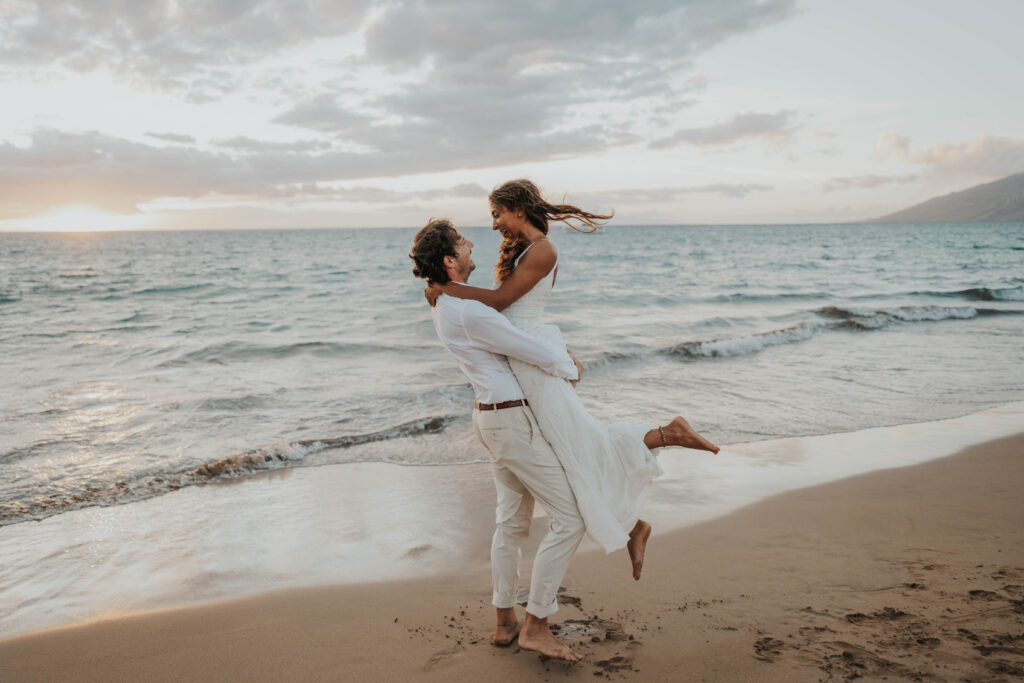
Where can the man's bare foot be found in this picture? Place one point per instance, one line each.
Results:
(678, 432)
(505, 634)
(536, 636)
(637, 545)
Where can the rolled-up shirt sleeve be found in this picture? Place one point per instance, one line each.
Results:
(492, 331)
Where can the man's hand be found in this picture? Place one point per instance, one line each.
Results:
(431, 293)
(579, 367)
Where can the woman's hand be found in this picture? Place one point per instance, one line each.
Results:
(431, 293)
(579, 367)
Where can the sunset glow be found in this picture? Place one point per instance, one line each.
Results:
(80, 219)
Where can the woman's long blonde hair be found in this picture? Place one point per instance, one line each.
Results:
(523, 194)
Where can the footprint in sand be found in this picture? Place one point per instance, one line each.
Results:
(593, 629)
(854, 661)
(1008, 573)
(618, 662)
(768, 649)
(812, 633)
(440, 657)
(566, 599)
(884, 614)
(984, 595)
(1002, 643)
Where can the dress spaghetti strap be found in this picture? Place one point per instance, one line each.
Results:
(542, 239)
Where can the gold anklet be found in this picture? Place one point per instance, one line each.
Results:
(661, 430)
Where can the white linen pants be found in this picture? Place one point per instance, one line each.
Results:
(526, 469)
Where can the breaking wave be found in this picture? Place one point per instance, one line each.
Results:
(152, 484)
(984, 293)
(873, 319)
(836, 318)
(741, 346)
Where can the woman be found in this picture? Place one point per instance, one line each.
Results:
(609, 467)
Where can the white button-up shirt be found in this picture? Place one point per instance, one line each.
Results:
(480, 338)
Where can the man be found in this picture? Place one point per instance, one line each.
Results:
(524, 466)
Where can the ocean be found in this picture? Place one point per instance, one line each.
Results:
(135, 364)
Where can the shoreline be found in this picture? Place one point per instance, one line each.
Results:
(360, 524)
(750, 445)
(272, 456)
(909, 572)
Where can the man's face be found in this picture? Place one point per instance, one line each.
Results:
(463, 257)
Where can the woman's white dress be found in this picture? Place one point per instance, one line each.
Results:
(608, 466)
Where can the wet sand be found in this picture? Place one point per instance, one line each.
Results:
(904, 574)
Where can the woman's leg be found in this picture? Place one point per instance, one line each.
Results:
(678, 432)
(637, 545)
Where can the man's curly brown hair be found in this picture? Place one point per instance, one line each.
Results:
(432, 243)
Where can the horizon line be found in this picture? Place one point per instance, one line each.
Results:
(474, 227)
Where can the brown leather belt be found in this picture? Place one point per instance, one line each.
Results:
(503, 404)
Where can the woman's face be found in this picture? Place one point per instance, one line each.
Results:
(507, 221)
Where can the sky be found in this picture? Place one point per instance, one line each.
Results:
(212, 114)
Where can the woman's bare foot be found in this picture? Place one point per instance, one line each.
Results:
(505, 634)
(637, 545)
(536, 636)
(678, 432)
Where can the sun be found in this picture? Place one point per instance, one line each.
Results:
(80, 218)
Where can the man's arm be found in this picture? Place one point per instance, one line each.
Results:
(490, 330)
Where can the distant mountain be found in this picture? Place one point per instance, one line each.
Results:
(995, 202)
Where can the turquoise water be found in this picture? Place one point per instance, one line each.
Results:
(137, 363)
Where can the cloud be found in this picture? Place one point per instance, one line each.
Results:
(662, 195)
(985, 157)
(109, 173)
(866, 181)
(323, 113)
(376, 195)
(172, 137)
(481, 40)
(667, 194)
(469, 190)
(204, 47)
(460, 125)
(171, 44)
(697, 82)
(247, 144)
(774, 129)
(892, 144)
(479, 80)
(117, 175)
(438, 86)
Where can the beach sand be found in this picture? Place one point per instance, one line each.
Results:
(904, 574)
